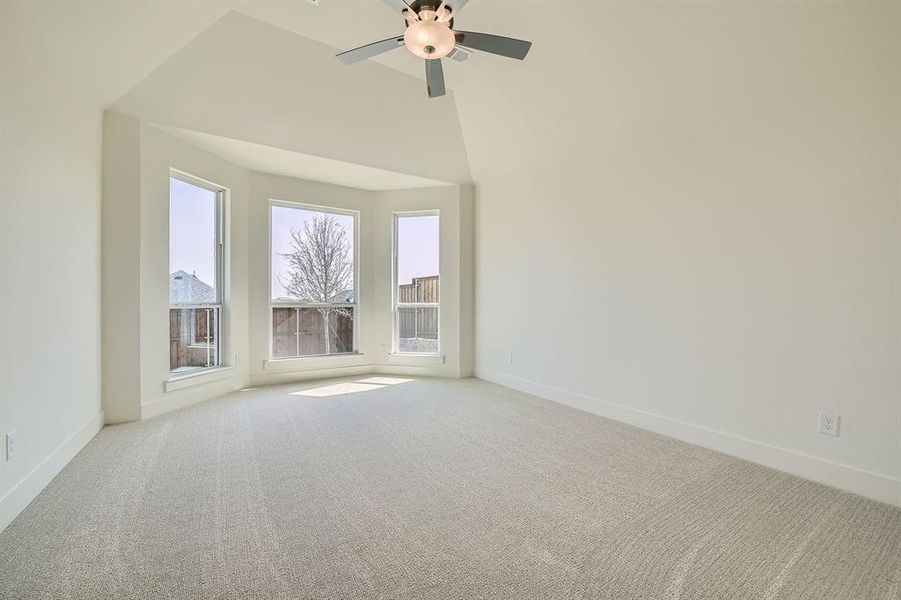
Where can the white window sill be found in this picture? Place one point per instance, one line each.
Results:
(314, 363)
(416, 360)
(199, 377)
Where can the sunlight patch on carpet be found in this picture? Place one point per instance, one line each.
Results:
(336, 389)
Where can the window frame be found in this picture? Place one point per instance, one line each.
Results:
(355, 305)
(220, 284)
(395, 283)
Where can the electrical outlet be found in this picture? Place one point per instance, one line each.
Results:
(827, 423)
(10, 444)
(510, 358)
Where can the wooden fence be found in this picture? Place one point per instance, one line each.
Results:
(298, 331)
(421, 290)
(418, 322)
(193, 335)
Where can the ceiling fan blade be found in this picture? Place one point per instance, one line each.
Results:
(495, 44)
(369, 50)
(399, 5)
(434, 77)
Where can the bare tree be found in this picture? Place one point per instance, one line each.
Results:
(321, 267)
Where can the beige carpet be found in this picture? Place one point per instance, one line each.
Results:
(432, 489)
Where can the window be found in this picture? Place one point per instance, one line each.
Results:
(313, 279)
(416, 296)
(195, 275)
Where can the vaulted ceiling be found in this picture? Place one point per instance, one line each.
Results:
(602, 78)
(246, 79)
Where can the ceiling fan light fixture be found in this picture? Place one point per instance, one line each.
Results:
(430, 35)
(428, 38)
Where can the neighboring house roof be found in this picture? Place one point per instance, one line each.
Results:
(185, 288)
(346, 296)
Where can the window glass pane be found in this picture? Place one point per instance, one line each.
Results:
(418, 283)
(417, 258)
(193, 246)
(284, 332)
(312, 262)
(418, 329)
(312, 256)
(302, 331)
(193, 339)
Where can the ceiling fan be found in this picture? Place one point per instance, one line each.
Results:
(430, 35)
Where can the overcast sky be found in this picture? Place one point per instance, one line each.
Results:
(417, 247)
(192, 230)
(283, 221)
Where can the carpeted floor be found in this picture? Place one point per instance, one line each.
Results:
(432, 489)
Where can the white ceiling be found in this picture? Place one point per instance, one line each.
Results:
(267, 159)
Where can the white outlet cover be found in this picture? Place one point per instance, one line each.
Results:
(827, 423)
(10, 444)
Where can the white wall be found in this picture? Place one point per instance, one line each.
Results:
(49, 265)
(136, 270)
(121, 268)
(161, 152)
(704, 240)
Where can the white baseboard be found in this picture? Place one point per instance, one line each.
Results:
(263, 379)
(866, 483)
(183, 398)
(418, 371)
(277, 378)
(31, 485)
